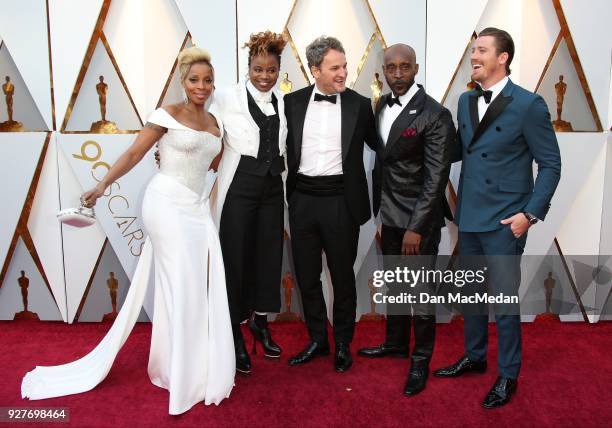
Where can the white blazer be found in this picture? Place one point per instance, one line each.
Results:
(241, 137)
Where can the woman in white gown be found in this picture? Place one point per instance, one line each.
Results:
(192, 350)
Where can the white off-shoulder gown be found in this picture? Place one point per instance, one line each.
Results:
(192, 349)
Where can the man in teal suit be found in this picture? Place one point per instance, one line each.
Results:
(503, 128)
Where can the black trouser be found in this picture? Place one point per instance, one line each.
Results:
(251, 235)
(398, 326)
(324, 223)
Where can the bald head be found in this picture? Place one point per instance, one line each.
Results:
(400, 67)
(400, 50)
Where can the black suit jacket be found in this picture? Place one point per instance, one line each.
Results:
(412, 168)
(357, 127)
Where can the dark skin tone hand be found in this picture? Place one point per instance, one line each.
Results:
(411, 244)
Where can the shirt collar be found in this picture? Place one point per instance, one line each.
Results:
(317, 91)
(257, 94)
(497, 88)
(407, 97)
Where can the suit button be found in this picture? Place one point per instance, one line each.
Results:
(469, 151)
(498, 129)
(488, 181)
(484, 155)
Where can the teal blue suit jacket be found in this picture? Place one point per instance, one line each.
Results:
(496, 178)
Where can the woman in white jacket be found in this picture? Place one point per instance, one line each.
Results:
(249, 200)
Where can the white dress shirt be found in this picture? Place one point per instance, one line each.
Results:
(496, 89)
(322, 138)
(262, 99)
(389, 114)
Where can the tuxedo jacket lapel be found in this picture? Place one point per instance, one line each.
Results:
(496, 108)
(298, 119)
(349, 106)
(382, 101)
(473, 100)
(244, 104)
(406, 117)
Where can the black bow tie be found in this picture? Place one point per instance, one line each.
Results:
(328, 98)
(392, 100)
(482, 93)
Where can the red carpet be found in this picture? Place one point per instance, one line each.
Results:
(566, 380)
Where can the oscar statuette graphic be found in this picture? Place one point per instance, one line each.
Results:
(560, 125)
(376, 86)
(10, 125)
(288, 286)
(103, 126)
(549, 285)
(24, 283)
(286, 85)
(372, 315)
(113, 286)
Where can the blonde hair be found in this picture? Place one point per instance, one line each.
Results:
(190, 56)
(265, 43)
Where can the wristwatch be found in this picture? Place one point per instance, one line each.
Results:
(532, 219)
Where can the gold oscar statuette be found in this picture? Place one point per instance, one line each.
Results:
(376, 86)
(24, 283)
(113, 286)
(103, 126)
(286, 85)
(10, 125)
(288, 286)
(372, 315)
(549, 285)
(560, 125)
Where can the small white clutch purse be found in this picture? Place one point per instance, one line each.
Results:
(77, 217)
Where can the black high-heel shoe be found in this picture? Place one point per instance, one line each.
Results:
(243, 361)
(263, 335)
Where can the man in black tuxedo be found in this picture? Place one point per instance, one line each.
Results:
(415, 135)
(327, 194)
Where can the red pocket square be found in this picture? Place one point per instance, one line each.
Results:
(409, 132)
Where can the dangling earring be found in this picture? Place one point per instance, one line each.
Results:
(185, 97)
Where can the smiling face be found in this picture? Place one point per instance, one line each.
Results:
(199, 83)
(488, 66)
(330, 76)
(263, 71)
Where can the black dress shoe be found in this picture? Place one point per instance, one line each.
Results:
(243, 362)
(461, 367)
(263, 335)
(384, 350)
(417, 379)
(343, 360)
(313, 349)
(500, 394)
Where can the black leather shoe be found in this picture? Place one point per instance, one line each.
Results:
(343, 360)
(417, 379)
(384, 350)
(263, 335)
(243, 362)
(500, 393)
(461, 367)
(313, 349)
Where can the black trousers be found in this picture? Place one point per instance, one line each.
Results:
(251, 235)
(324, 223)
(398, 326)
